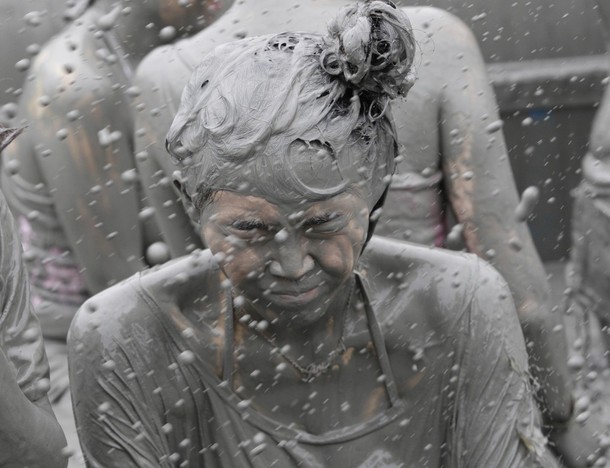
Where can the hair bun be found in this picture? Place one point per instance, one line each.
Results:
(371, 46)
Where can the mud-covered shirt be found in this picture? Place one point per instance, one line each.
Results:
(147, 392)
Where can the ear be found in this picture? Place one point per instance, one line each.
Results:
(187, 201)
(180, 185)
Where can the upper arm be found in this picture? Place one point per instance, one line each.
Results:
(478, 176)
(496, 422)
(111, 398)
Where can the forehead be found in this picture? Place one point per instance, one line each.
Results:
(304, 171)
(228, 204)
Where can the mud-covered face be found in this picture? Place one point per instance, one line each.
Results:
(191, 14)
(287, 258)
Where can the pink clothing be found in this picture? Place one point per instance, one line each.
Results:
(57, 283)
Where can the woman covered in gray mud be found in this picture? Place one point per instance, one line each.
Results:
(298, 339)
(29, 433)
(453, 159)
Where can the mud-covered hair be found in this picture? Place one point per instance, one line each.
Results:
(253, 104)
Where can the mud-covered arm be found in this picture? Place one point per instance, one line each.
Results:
(115, 403)
(157, 104)
(482, 193)
(29, 432)
(496, 421)
(80, 149)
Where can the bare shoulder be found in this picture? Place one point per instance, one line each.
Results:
(71, 74)
(160, 58)
(441, 23)
(172, 64)
(441, 36)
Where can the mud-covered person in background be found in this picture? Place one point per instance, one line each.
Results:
(453, 159)
(25, 26)
(248, 354)
(588, 272)
(71, 182)
(29, 433)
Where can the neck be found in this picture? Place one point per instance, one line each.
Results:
(310, 339)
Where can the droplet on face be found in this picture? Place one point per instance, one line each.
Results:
(281, 236)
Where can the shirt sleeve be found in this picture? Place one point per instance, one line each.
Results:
(495, 421)
(20, 335)
(117, 404)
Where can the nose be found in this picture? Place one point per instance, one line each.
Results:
(291, 259)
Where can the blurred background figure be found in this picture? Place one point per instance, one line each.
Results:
(454, 163)
(71, 183)
(588, 272)
(25, 26)
(29, 433)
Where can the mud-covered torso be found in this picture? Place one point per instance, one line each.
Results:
(164, 356)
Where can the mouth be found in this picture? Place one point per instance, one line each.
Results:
(300, 296)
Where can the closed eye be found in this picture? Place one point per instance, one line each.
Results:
(323, 222)
(249, 225)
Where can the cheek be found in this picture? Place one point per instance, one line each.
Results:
(339, 255)
(236, 258)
